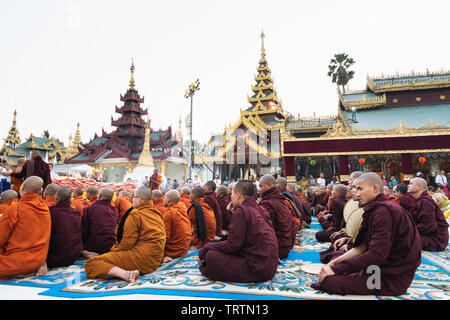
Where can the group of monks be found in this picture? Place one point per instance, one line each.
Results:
(241, 232)
(369, 229)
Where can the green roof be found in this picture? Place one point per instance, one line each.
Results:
(81, 157)
(98, 141)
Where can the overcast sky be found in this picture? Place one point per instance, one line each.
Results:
(67, 61)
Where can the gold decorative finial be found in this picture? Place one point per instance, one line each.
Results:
(14, 118)
(263, 50)
(132, 75)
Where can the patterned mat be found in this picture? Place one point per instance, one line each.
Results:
(181, 277)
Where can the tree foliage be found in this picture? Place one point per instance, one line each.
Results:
(338, 70)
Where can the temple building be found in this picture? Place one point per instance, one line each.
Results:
(117, 153)
(398, 125)
(52, 149)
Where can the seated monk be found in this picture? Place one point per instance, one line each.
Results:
(25, 232)
(339, 194)
(280, 215)
(98, 225)
(211, 199)
(17, 182)
(91, 196)
(433, 228)
(158, 201)
(65, 240)
(203, 222)
(295, 208)
(49, 194)
(250, 253)
(141, 248)
(6, 199)
(224, 200)
(403, 198)
(328, 206)
(388, 193)
(186, 197)
(388, 239)
(178, 227)
(77, 201)
(116, 194)
(123, 203)
(302, 206)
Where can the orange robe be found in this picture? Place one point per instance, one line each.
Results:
(87, 202)
(24, 236)
(186, 200)
(5, 206)
(16, 182)
(141, 247)
(123, 204)
(155, 181)
(51, 201)
(159, 205)
(210, 221)
(178, 231)
(77, 203)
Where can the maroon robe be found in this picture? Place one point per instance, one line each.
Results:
(211, 200)
(299, 202)
(282, 219)
(337, 223)
(226, 214)
(35, 167)
(392, 243)
(65, 240)
(431, 223)
(250, 253)
(407, 202)
(98, 226)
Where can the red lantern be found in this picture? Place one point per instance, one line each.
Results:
(422, 159)
(362, 160)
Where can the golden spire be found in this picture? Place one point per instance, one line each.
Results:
(132, 75)
(14, 118)
(145, 158)
(180, 132)
(263, 50)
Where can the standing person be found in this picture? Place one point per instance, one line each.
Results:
(176, 185)
(17, 182)
(217, 180)
(53, 174)
(197, 182)
(312, 181)
(34, 167)
(155, 180)
(5, 180)
(441, 181)
(168, 184)
(321, 180)
(388, 239)
(250, 253)
(146, 182)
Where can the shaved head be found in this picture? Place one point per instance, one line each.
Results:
(156, 195)
(35, 153)
(340, 189)
(124, 193)
(21, 162)
(50, 189)
(92, 190)
(106, 194)
(221, 190)
(371, 178)
(78, 192)
(211, 185)
(64, 193)
(290, 187)
(420, 182)
(8, 195)
(144, 193)
(281, 183)
(244, 187)
(32, 184)
(197, 193)
(173, 196)
(186, 190)
(268, 179)
(368, 186)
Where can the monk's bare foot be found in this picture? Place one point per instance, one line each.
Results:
(167, 259)
(41, 271)
(132, 275)
(89, 254)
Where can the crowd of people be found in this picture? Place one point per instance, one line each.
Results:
(242, 229)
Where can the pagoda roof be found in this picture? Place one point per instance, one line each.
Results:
(411, 116)
(98, 141)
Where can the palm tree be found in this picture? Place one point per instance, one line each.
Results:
(338, 70)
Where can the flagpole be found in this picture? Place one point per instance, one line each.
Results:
(190, 93)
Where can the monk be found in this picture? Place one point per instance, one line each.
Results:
(339, 194)
(65, 240)
(403, 198)
(280, 215)
(178, 227)
(296, 207)
(91, 196)
(155, 180)
(77, 201)
(202, 219)
(50, 194)
(388, 193)
(116, 193)
(158, 201)
(211, 199)
(98, 225)
(388, 243)
(123, 203)
(250, 253)
(430, 221)
(34, 167)
(223, 199)
(25, 232)
(302, 206)
(6, 200)
(142, 247)
(17, 182)
(186, 197)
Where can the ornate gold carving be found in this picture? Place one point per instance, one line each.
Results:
(337, 130)
(364, 103)
(344, 177)
(291, 179)
(408, 177)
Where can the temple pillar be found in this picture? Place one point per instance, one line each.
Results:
(163, 167)
(289, 169)
(344, 174)
(407, 167)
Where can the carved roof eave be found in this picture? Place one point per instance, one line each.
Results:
(409, 86)
(363, 104)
